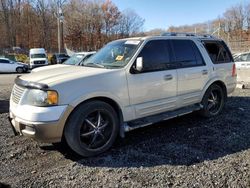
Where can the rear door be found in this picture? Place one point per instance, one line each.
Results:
(153, 90)
(192, 72)
(6, 66)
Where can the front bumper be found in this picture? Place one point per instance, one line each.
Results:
(46, 125)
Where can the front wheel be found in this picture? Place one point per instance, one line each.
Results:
(92, 128)
(19, 70)
(213, 101)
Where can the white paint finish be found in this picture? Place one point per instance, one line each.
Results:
(9, 67)
(191, 81)
(137, 95)
(146, 90)
(37, 114)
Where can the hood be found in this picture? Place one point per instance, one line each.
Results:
(49, 67)
(63, 73)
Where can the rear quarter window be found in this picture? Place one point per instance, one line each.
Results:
(218, 52)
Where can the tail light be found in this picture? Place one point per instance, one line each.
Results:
(234, 73)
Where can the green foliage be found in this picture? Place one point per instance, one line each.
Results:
(21, 57)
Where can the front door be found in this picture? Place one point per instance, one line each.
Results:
(153, 90)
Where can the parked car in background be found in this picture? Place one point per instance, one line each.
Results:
(7, 65)
(242, 60)
(59, 58)
(79, 58)
(76, 59)
(38, 57)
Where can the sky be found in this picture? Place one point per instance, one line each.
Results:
(165, 13)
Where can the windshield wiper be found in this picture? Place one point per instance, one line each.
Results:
(94, 65)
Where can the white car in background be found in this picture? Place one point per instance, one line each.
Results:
(7, 65)
(76, 59)
(242, 60)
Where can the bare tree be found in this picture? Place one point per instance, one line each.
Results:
(130, 23)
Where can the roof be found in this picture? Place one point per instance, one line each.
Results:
(169, 35)
(4, 58)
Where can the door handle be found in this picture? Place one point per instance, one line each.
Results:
(204, 72)
(168, 77)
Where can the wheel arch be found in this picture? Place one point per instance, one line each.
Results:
(19, 67)
(107, 100)
(217, 82)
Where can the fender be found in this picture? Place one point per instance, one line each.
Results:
(127, 111)
(209, 83)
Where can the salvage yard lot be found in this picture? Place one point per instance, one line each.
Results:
(189, 152)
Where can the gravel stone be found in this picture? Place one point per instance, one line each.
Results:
(189, 151)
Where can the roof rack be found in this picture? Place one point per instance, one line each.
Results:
(187, 35)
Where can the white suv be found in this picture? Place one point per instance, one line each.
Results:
(130, 83)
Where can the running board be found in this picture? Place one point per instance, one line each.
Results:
(145, 121)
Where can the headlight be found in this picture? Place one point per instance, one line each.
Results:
(42, 98)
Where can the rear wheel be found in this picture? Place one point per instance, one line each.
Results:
(19, 69)
(213, 101)
(92, 128)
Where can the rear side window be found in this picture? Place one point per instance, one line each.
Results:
(155, 55)
(218, 52)
(4, 61)
(186, 53)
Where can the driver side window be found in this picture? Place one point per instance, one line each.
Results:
(155, 55)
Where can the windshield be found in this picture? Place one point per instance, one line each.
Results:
(74, 59)
(38, 56)
(114, 55)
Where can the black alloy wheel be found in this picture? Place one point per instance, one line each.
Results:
(213, 101)
(92, 128)
(96, 129)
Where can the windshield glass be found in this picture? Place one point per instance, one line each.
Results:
(74, 59)
(114, 55)
(38, 56)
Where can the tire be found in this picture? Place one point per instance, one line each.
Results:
(19, 69)
(92, 128)
(213, 101)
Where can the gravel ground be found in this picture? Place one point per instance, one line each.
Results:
(184, 152)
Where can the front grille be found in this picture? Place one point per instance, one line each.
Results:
(39, 62)
(17, 93)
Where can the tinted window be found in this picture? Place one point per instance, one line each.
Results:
(186, 53)
(63, 55)
(4, 61)
(155, 55)
(218, 52)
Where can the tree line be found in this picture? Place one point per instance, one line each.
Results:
(85, 24)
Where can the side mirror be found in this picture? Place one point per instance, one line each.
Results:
(139, 64)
